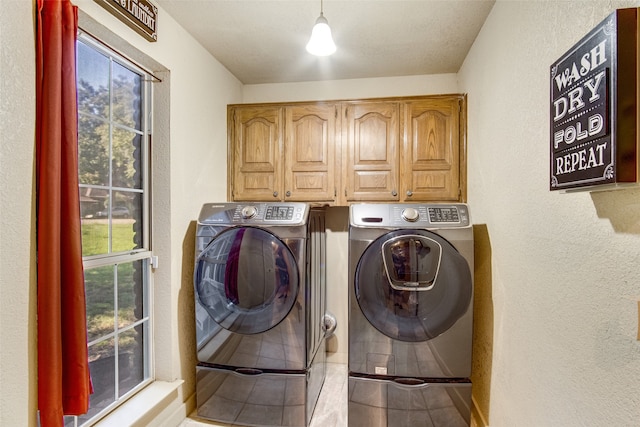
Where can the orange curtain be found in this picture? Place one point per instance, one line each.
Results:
(64, 383)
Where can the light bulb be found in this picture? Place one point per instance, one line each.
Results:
(321, 43)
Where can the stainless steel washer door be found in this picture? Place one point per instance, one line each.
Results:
(247, 280)
(412, 285)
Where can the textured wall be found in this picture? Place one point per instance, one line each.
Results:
(352, 89)
(17, 210)
(564, 267)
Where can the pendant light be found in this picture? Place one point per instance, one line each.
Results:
(321, 43)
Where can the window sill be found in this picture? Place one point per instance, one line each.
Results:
(144, 407)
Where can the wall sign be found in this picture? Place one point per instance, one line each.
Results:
(140, 15)
(594, 107)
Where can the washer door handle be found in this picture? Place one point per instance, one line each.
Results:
(406, 269)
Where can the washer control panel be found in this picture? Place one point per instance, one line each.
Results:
(435, 215)
(444, 214)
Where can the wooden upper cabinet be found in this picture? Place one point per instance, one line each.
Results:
(370, 160)
(431, 154)
(282, 153)
(410, 149)
(309, 156)
(256, 153)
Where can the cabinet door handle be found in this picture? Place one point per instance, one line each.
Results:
(394, 193)
(275, 194)
(409, 193)
(288, 193)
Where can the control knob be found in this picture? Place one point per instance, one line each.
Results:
(410, 214)
(249, 212)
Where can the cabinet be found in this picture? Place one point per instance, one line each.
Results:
(338, 152)
(309, 155)
(431, 159)
(255, 153)
(371, 154)
(282, 152)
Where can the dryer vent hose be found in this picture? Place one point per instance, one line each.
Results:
(329, 324)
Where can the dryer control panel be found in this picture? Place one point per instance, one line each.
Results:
(259, 213)
(404, 215)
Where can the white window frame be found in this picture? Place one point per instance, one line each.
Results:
(160, 401)
(141, 254)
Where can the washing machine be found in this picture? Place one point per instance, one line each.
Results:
(260, 286)
(410, 315)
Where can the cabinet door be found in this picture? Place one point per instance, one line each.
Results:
(309, 156)
(431, 155)
(371, 157)
(257, 153)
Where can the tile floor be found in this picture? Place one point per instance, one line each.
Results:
(331, 409)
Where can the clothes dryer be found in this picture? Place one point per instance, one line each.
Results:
(410, 315)
(259, 285)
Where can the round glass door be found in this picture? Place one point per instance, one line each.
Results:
(412, 285)
(247, 280)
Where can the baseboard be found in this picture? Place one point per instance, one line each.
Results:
(176, 417)
(477, 417)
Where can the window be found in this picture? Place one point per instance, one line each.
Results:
(114, 132)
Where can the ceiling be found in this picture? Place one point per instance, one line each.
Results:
(263, 41)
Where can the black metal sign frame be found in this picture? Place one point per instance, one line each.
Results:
(593, 107)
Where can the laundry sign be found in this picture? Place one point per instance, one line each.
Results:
(594, 129)
(140, 15)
